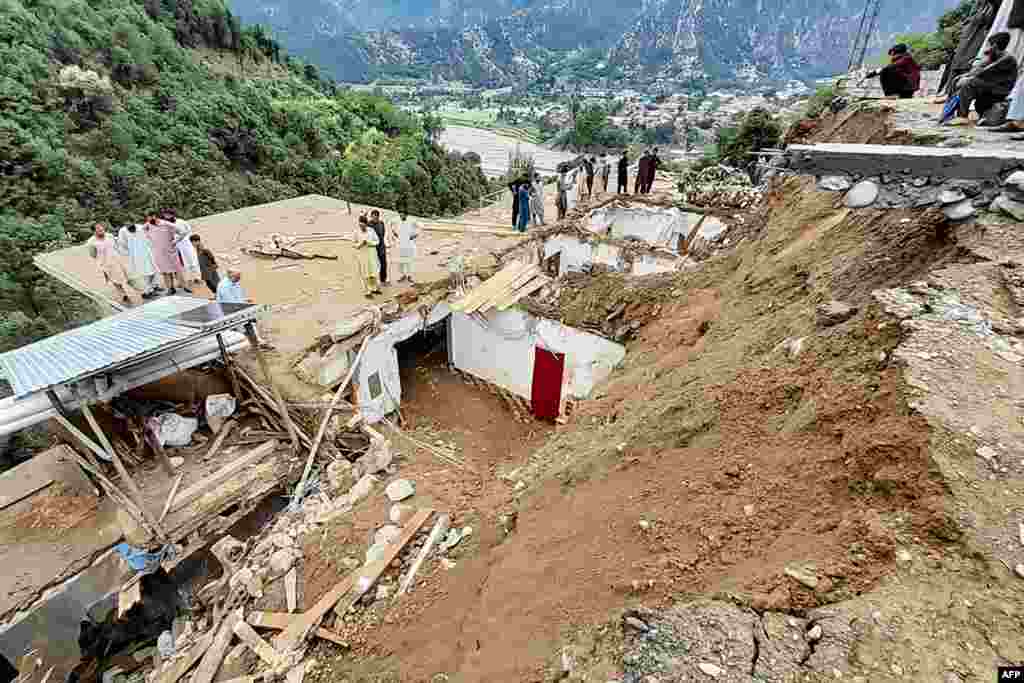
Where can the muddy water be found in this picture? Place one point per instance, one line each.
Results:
(494, 149)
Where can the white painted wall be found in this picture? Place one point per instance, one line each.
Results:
(576, 255)
(502, 351)
(657, 227)
(380, 358)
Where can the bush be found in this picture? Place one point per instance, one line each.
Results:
(819, 101)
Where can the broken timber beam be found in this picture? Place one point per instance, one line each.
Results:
(262, 648)
(279, 621)
(269, 401)
(324, 421)
(439, 530)
(170, 497)
(223, 474)
(250, 333)
(133, 488)
(213, 657)
(181, 666)
(360, 580)
(368, 575)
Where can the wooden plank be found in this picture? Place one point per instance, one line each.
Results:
(225, 429)
(498, 289)
(7, 501)
(440, 529)
(170, 496)
(486, 289)
(299, 629)
(134, 492)
(325, 420)
(483, 289)
(210, 665)
(525, 278)
(368, 575)
(279, 621)
(250, 333)
(529, 289)
(181, 666)
(296, 674)
(195, 491)
(291, 589)
(262, 648)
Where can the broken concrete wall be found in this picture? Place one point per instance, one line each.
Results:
(501, 351)
(657, 227)
(53, 626)
(378, 386)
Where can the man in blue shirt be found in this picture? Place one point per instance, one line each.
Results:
(230, 291)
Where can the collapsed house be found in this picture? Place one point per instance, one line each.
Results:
(538, 362)
(637, 238)
(76, 518)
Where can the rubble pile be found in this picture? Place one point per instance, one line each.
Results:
(262, 579)
(720, 186)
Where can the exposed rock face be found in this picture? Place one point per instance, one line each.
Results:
(488, 41)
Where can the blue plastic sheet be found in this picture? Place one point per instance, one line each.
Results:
(140, 560)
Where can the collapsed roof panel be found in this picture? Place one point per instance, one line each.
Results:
(115, 341)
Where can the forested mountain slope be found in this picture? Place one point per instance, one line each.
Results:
(113, 108)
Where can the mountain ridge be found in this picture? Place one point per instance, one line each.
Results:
(510, 42)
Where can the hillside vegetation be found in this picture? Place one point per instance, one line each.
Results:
(110, 110)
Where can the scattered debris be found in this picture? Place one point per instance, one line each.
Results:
(399, 490)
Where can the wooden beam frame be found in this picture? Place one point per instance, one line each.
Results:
(250, 333)
(133, 488)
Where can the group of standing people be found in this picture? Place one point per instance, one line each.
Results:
(527, 201)
(162, 247)
(372, 246)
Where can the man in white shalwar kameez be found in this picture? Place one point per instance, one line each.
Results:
(134, 245)
(186, 250)
(408, 231)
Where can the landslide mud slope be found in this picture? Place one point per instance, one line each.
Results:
(762, 483)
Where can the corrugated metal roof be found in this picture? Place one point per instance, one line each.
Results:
(99, 346)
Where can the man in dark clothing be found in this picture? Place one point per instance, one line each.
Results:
(653, 162)
(988, 83)
(207, 264)
(382, 248)
(624, 174)
(641, 172)
(902, 76)
(513, 187)
(591, 166)
(972, 37)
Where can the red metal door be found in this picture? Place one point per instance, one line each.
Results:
(546, 393)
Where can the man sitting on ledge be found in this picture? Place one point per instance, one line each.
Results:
(902, 77)
(989, 82)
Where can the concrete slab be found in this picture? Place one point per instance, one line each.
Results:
(53, 629)
(937, 162)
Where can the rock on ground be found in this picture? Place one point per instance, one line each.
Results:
(709, 640)
(400, 513)
(341, 476)
(834, 312)
(862, 194)
(399, 490)
(834, 183)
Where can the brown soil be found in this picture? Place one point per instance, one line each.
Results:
(867, 123)
(739, 461)
(439, 409)
(50, 511)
